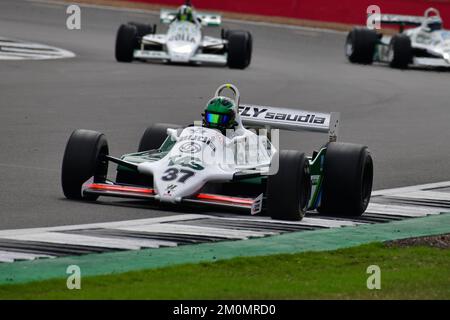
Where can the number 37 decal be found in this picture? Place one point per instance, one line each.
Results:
(181, 174)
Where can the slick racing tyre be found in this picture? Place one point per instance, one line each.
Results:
(83, 160)
(126, 42)
(240, 44)
(400, 51)
(224, 33)
(347, 180)
(142, 29)
(360, 45)
(152, 138)
(289, 190)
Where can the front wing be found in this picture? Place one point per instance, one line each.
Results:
(251, 205)
(164, 56)
(430, 62)
(382, 56)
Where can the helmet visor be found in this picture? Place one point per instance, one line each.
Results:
(435, 26)
(217, 118)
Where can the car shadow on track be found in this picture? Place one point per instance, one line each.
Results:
(156, 206)
(183, 65)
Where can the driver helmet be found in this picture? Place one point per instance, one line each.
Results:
(220, 113)
(185, 13)
(433, 23)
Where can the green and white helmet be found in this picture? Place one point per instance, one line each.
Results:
(185, 13)
(220, 113)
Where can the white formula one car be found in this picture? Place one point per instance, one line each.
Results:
(427, 45)
(184, 41)
(220, 162)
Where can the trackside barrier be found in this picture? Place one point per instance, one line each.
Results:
(343, 11)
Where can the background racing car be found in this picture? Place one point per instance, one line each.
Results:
(201, 166)
(426, 45)
(184, 41)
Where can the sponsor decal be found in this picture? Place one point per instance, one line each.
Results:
(190, 147)
(182, 37)
(266, 114)
(169, 189)
(186, 161)
(257, 205)
(203, 139)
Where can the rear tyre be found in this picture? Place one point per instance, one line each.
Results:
(224, 33)
(289, 190)
(126, 42)
(360, 45)
(142, 29)
(240, 46)
(347, 180)
(82, 160)
(400, 51)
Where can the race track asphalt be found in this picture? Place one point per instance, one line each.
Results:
(403, 116)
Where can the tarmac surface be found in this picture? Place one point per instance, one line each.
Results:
(403, 116)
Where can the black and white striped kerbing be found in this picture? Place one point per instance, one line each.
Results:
(177, 230)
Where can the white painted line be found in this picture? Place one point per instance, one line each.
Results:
(162, 224)
(401, 210)
(196, 230)
(90, 241)
(103, 225)
(9, 57)
(9, 256)
(306, 221)
(422, 195)
(11, 49)
(426, 186)
(25, 45)
(29, 52)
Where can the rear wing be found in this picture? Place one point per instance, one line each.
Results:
(290, 119)
(206, 19)
(402, 20)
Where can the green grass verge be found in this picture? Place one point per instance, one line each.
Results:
(406, 273)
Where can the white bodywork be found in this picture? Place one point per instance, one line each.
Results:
(184, 42)
(202, 155)
(435, 43)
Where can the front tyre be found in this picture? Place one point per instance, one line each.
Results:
(240, 46)
(142, 29)
(83, 160)
(126, 42)
(289, 190)
(400, 51)
(360, 45)
(154, 136)
(347, 180)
